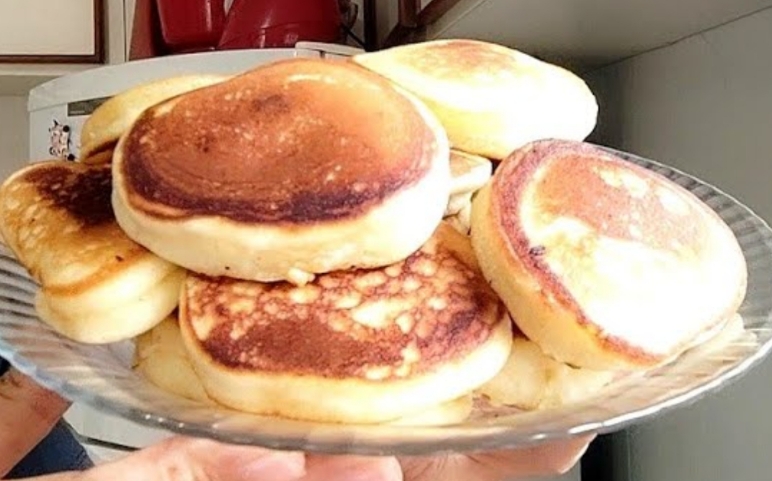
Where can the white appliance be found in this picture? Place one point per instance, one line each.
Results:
(58, 109)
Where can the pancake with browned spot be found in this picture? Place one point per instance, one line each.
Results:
(161, 358)
(351, 346)
(110, 120)
(97, 285)
(296, 168)
(604, 264)
(491, 99)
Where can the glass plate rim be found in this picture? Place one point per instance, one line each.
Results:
(474, 438)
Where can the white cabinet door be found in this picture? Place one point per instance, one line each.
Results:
(65, 29)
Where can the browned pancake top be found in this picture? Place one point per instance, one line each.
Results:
(394, 322)
(81, 191)
(614, 198)
(57, 218)
(295, 141)
(597, 198)
(468, 61)
(465, 55)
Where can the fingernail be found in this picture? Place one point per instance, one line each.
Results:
(276, 467)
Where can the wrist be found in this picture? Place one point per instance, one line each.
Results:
(41, 404)
(28, 412)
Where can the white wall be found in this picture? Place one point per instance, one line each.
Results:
(704, 105)
(14, 134)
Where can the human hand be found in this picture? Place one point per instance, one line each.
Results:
(550, 459)
(187, 459)
(183, 459)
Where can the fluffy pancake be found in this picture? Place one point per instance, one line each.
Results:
(99, 157)
(625, 272)
(531, 380)
(445, 414)
(490, 99)
(299, 167)
(110, 120)
(97, 285)
(352, 346)
(733, 330)
(160, 357)
(468, 172)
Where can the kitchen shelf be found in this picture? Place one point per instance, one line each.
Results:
(580, 34)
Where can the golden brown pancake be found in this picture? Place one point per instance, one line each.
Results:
(299, 167)
(624, 272)
(161, 358)
(351, 346)
(490, 99)
(97, 285)
(531, 380)
(110, 120)
(104, 156)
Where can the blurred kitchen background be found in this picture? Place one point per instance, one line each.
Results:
(687, 83)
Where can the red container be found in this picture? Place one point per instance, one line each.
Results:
(191, 25)
(280, 23)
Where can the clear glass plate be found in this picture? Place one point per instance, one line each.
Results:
(101, 376)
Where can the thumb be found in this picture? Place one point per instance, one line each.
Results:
(186, 459)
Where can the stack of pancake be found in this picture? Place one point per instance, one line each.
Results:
(328, 240)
